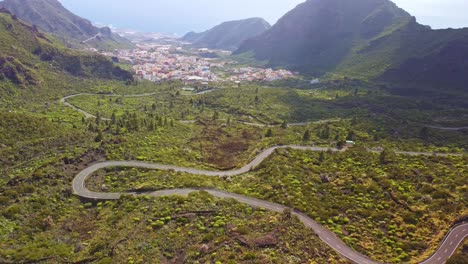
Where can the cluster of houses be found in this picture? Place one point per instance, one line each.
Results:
(160, 63)
(168, 62)
(258, 74)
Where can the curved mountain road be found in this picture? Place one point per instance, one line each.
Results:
(448, 128)
(88, 115)
(451, 242)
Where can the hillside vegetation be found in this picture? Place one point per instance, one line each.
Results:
(390, 207)
(366, 39)
(30, 59)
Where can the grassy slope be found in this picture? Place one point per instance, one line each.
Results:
(32, 216)
(387, 54)
(32, 62)
(41, 219)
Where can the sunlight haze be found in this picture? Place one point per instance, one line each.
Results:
(181, 16)
(233, 131)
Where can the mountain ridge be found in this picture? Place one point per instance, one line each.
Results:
(30, 59)
(369, 39)
(228, 35)
(53, 18)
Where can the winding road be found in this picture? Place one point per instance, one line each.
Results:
(446, 249)
(448, 246)
(88, 115)
(449, 128)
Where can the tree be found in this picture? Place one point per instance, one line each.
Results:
(284, 125)
(99, 136)
(98, 118)
(324, 133)
(113, 118)
(341, 144)
(424, 133)
(306, 136)
(322, 156)
(269, 133)
(287, 213)
(151, 126)
(351, 136)
(215, 115)
(387, 156)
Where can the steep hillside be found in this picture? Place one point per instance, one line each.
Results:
(228, 35)
(430, 59)
(318, 34)
(29, 58)
(369, 39)
(51, 17)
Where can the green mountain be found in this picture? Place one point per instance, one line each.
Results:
(228, 35)
(368, 39)
(51, 17)
(31, 59)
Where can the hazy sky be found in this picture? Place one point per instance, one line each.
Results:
(181, 16)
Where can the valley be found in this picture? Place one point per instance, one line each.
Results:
(233, 145)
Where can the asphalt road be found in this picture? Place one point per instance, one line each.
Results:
(88, 115)
(453, 239)
(448, 246)
(448, 128)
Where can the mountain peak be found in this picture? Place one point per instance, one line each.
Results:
(318, 34)
(367, 39)
(228, 35)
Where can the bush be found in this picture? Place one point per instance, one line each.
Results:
(11, 211)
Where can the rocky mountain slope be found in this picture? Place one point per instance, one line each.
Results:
(368, 39)
(30, 58)
(51, 17)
